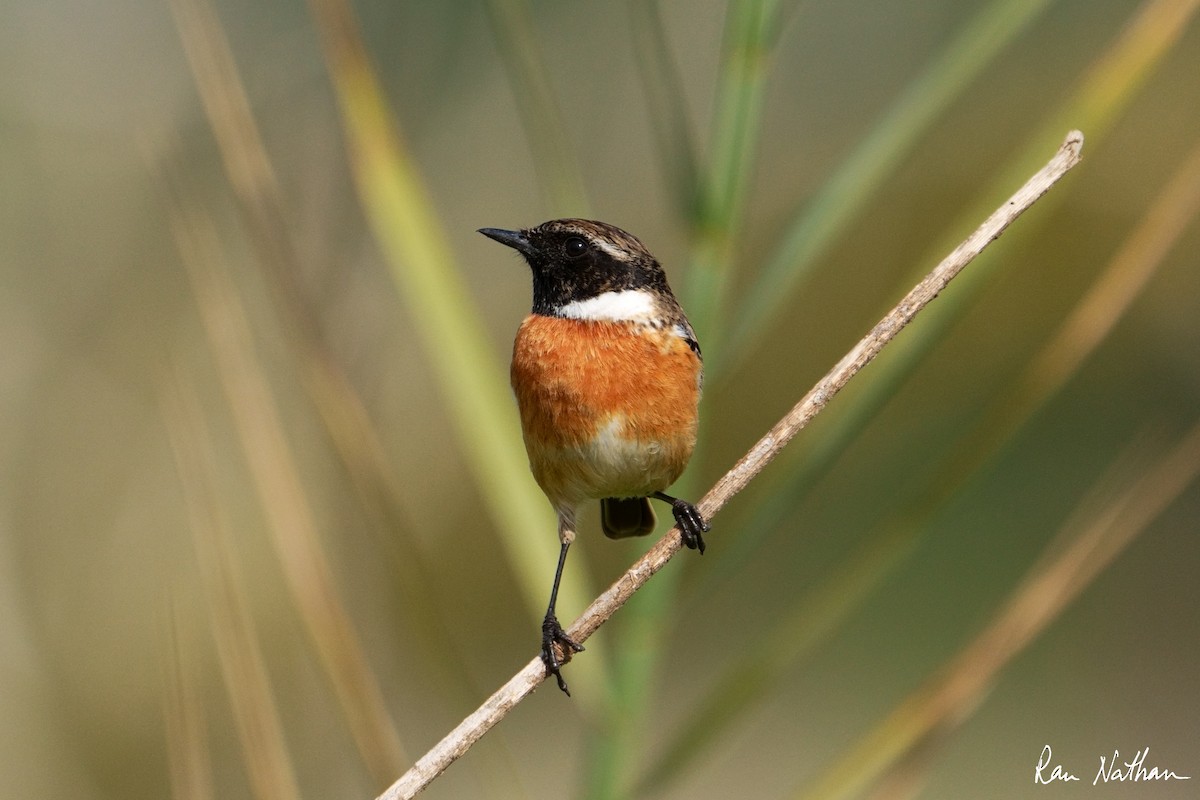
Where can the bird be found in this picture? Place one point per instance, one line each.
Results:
(607, 374)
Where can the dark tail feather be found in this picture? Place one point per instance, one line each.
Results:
(624, 517)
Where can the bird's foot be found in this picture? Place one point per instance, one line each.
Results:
(557, 649)
(692, 526)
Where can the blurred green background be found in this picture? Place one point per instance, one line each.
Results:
(266, 528)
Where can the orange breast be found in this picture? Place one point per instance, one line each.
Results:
(608, 409)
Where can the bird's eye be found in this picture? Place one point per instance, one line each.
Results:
(575, 247)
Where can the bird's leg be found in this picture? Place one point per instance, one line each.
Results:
(691, 524)
(557, 647)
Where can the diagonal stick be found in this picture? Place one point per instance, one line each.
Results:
(469, 731)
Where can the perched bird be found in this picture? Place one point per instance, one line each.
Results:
(607, 374)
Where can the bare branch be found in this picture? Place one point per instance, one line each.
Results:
(459, 740)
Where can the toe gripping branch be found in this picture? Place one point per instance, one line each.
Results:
(557, 649)
(692, 525)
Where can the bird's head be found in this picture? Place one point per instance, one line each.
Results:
(589, 270)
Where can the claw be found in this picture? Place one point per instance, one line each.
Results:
(691, 524)
(557, 649)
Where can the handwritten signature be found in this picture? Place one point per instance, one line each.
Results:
(1113, 769)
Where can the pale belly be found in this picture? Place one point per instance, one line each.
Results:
(610, 464)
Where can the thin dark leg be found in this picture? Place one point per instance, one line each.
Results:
(691, 524)
(553, 633)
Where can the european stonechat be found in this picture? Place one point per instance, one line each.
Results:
(607, 373)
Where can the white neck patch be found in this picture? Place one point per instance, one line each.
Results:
(633, 305)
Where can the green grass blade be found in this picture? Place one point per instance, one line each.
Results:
(250, 173)
(759, 669)
(1107, 88)
(848, 190)
(1089, 542)
(805, 624)
(751, 30)
(478, 400)
(752, 27)
(819, 613)
(617, 746)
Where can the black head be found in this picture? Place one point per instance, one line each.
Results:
(578, 259)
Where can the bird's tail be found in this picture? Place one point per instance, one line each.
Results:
(624, 517)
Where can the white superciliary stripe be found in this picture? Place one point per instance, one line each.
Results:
(614, 251)
(632, 305)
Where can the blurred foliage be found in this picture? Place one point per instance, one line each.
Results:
(266, 527)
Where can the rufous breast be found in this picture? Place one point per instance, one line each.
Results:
(608, 408)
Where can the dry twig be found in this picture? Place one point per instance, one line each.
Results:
(459, 740)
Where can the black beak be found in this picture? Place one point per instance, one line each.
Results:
(514, 239)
